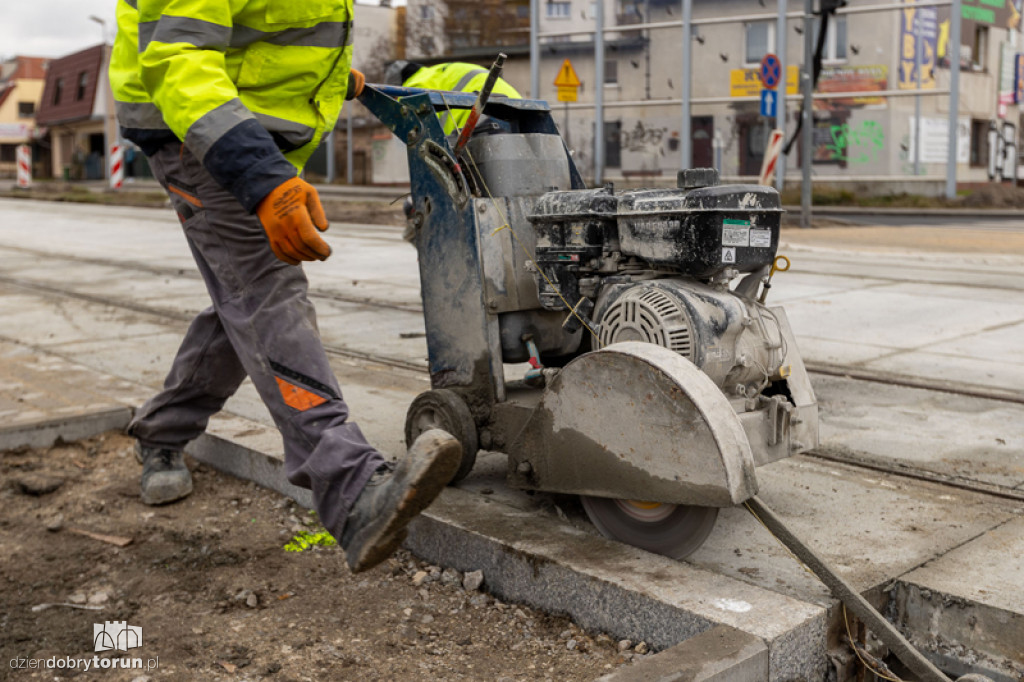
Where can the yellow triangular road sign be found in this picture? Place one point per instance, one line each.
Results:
(567, 77)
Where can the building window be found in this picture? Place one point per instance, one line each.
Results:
(558, 10)
(83, 82)
(979, 143)
(58, 90)
(835, 39)
(980, 48)
(26, 109)
(426, 12)
(611, 72)
(760, 41)
(8, 153)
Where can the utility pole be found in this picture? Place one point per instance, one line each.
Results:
(535, 49)
(780, 111)
(599, 94)
(807, 132)
(954, 97)
(918, 34)
(685, 134)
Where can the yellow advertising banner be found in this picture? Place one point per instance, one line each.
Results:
(747, 82)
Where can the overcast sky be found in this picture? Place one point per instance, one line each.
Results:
(54, 28)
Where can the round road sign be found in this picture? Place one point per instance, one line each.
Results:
(771, 71)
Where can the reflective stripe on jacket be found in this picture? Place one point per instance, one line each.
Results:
(457, 77)
(250, 86)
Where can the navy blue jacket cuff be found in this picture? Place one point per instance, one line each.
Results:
(247, 163)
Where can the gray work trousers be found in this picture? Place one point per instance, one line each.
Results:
(261, 324)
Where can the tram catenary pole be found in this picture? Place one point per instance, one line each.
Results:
(599, 93)
(953, 53)
(807, 132)
(685, 136)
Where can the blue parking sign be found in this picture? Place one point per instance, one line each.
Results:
(769, 102)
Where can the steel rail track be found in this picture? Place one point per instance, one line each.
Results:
(178, 316)
(858, 461)
(829, 369)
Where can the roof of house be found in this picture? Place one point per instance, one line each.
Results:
(70, 90)
(25, 68)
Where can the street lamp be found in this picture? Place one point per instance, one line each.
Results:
(108, 122)
(103, 26)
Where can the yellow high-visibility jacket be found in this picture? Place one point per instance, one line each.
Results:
(457, 77)
(250, 86)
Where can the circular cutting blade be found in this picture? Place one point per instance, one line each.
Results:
(673, 530)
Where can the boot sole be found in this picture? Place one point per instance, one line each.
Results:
(381, 538)
(161, 495)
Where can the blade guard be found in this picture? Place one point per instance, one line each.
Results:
(635, 421)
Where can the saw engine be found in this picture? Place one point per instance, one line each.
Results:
(654, 266)
(658, 379)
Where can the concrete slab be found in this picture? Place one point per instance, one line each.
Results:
(955, 368)
(961, 436)
(979, 619)
(720, 654)
(614, 588)
(44, 398)
(897, 319)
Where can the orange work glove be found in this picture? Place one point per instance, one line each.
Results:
(356, 81)
(288, 214)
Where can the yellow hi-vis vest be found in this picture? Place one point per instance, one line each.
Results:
(250, 86)
(457, 77)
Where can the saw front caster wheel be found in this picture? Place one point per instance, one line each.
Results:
(444, 409)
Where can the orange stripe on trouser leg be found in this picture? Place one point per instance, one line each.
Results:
(298, 398)
(185, 195)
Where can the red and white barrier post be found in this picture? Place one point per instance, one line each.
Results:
(771, 158)
(116, 166)
(24, 158)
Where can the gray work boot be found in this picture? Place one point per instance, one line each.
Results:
(165, 478)
(375, 526)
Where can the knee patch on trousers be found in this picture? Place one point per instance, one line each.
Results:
(295, 388)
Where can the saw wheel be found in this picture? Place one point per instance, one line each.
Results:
(444, 409)
(673, 530)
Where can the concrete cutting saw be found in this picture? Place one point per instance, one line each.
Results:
(614, 344)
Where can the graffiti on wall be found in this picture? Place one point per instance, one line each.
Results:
(1002, 150)
(644, 138)
(858, 143)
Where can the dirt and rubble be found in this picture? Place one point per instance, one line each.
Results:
(218, 598)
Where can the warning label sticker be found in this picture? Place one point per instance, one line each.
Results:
(735, 232)
(729, 254)
(761, 238)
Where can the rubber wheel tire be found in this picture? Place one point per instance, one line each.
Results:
(444, 409)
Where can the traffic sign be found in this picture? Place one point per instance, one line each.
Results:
(771, 71)
(567, 77)
(769, 100)
(567, 82)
